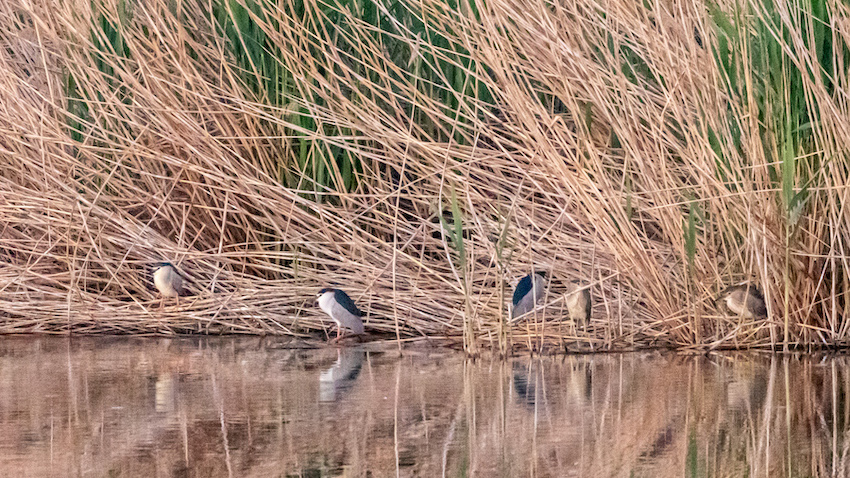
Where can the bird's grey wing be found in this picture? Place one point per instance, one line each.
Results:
(539, 291)
(181, 281)
(177, 281)
(523, 306)
(347, 319)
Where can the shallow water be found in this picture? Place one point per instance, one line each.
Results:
(249, 407)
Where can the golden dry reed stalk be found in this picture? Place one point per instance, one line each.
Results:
(269, 150)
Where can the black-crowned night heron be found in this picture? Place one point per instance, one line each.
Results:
(342, 310)
(528, 294)
(168, 281)
(578, 302)
(744, 300)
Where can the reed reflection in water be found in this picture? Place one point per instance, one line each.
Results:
(249, 407)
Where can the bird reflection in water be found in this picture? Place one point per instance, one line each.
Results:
(526, 380)
(339, 377)
(530, 382)
(165, 392)
(580, 384)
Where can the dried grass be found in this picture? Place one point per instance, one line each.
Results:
(175, 158)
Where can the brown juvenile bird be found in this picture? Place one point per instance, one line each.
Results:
(578, 302)
(744, 300)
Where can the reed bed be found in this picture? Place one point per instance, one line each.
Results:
(424, 157)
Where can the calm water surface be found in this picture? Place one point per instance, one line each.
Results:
(250, 407)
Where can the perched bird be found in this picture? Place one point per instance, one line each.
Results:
(528, 294)
(578, 302)
(168, 281)
(745, 300)
(342, 310)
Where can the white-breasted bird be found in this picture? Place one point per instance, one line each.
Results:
(168, 281)
(528, 294)
(578, 302)
(342, 310)
(745, 300)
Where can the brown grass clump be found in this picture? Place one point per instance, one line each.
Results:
(148, 139)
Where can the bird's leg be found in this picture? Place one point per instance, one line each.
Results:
(340, 333)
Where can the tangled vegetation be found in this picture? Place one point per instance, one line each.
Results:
(424, 156)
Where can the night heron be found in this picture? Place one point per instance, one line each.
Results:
(168, 281)
(528, 294)
(578, 302)
(744, 300)
(342, 310)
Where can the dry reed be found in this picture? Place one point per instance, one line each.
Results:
(143, 141)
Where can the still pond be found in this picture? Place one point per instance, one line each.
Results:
(253, 407)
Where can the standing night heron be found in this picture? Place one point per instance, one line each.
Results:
(744, 300)
(528, 294)
(342, 310)
(168, 281)
(578, 302)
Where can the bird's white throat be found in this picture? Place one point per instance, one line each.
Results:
(326, 301)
